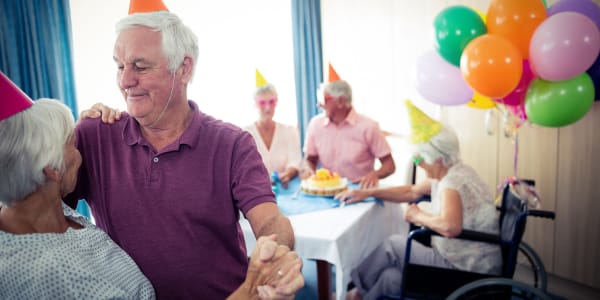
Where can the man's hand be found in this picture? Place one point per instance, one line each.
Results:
(368, 181)
(109, 115)
(274, 272)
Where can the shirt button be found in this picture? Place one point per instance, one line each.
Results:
(155, 159)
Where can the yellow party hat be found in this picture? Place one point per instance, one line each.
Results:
(144, 6)
(422, 126)
(260, 80)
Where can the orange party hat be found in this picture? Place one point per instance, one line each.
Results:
(14, 100)
(144, 6)
(260, 79)
(423, 128)
(333, 75)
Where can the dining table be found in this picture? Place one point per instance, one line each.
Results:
(333, 234)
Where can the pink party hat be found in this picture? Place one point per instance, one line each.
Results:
(12, 100)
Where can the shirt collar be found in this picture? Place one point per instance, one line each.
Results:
(351, 119)
(132, 134)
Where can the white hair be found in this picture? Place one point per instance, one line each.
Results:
(337, 89)
(265, 90)
(32, 140)
(443, 145)
(178, 40)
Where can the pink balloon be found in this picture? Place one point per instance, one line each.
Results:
(517, 96)
(564, 46)
(518, 110)
(440, 82)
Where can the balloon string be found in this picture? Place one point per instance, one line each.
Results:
(516, 158)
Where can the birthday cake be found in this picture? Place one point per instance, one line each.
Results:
(324, 183)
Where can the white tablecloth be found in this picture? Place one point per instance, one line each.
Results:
(341, 236)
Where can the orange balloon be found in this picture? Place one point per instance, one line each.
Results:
(491, 65)
(516, 20)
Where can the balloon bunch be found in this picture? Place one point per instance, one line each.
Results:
(541, 64)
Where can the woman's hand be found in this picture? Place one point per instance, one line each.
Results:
(351, 196)
(109, 115)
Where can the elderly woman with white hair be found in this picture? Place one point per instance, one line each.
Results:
(460, 199)
(48, 250)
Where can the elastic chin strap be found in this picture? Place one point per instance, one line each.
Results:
(166, 105)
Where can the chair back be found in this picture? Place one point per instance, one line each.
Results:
(513, 218)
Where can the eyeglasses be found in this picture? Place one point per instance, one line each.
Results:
(417, 160)
(263, 103)
(324, 100)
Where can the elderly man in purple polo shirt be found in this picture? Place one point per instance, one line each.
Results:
(344, 141)
(167, 181)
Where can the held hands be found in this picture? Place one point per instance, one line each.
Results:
(109, 115)
(274, 271)
(368, 181)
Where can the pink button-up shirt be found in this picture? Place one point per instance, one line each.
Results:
(349, 148)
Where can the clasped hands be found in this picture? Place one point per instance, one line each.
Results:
(274, 272)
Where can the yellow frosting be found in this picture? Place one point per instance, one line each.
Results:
(324, 178)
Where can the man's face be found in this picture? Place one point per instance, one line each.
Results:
(330, 104)
(142, 75)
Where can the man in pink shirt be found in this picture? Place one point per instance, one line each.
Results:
(344, 141)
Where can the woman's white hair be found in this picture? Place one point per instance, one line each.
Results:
(178, 40)
(443, 145)
(32, 140)
(337, 89)
(264, 90)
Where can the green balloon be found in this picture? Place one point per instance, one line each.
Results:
(455, 27)
(555, 104)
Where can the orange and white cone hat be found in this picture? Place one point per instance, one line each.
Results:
(423, 128)
(12, 100)
(144, 6)
(333, 75)
(260, 79)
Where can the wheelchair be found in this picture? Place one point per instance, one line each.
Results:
(429, 282)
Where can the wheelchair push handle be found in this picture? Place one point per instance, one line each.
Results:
(541, 214)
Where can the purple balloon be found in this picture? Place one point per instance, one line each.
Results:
(564, 46)
(585, 7)
(440, 82)
(594, 72)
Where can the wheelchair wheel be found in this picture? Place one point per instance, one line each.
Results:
(497, 288)
(531, 267)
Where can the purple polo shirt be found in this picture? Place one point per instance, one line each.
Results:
(175, 212)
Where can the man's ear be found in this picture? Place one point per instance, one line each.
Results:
(52, 174)
(187, 66)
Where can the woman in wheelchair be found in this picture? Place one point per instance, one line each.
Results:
(460, 199)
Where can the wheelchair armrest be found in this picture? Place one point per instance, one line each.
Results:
(541, 213)
(465, 234)
(426, 198)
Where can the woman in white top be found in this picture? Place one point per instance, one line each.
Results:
(278, 144)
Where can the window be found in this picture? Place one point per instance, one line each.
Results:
(234, 37)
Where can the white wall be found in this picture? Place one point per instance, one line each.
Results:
(235, 37)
